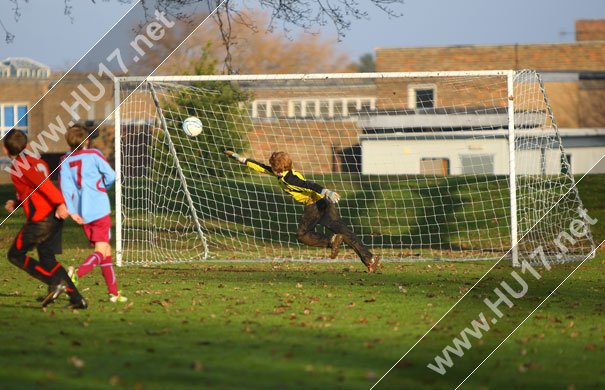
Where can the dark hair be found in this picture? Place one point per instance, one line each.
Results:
(280, 162)
(76, 136)
(15, 141)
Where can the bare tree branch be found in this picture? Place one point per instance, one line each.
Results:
(306, 15)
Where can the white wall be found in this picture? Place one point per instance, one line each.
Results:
(583, 159)
(403, 156)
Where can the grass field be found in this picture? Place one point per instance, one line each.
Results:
(291, 326)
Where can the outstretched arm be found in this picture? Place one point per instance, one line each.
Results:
(235, 156)
(258, 167)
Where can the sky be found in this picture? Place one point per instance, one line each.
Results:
(45, 34)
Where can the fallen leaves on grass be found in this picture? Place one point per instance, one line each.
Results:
(248, 329)
(523, 368)
(114, 380)
(165, 303)
(76, 362)
(160, 332)
(590, 347)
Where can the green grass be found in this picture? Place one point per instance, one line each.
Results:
(292, 326)
(445, 217)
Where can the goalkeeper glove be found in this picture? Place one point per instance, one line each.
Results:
(332, 196)
(235, 156)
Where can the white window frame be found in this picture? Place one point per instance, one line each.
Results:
(412, 88)
(4, 129)
(315, 111)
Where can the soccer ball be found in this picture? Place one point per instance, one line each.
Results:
(192, 126)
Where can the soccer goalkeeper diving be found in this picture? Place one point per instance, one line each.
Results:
(320, 208)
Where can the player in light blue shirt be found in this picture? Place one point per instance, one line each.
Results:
(85, 177)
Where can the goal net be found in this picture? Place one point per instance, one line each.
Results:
(455, 165)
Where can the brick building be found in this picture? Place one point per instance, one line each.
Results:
(326, 120)
(23, 83)
(574, 73)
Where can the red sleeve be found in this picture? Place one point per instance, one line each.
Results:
(37, 175)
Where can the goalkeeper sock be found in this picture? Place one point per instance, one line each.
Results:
(89, 264)
(109, 275)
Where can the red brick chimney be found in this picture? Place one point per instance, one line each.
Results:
(590, 30)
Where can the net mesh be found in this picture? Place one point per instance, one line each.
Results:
(421, 163)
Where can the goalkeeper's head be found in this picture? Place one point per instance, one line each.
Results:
(280, 162)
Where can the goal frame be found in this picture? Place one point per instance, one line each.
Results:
(508, 74)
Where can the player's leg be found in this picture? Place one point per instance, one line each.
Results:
(94, 259)
(23, 243)
(99, 233)
(332, 220)
(308, 221)
(109, 274)
(107, 267)
(60, 281)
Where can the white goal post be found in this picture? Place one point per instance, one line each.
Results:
(429, 165)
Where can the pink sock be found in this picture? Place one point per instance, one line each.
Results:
(109, 275)
(89, 264)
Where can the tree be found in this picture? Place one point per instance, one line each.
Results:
(215, 104)
(366, 63)
(305, 15)
(251, 51)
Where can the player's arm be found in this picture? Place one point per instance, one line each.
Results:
(11, 205)
(109, 175)
(68, 186)
(255, 165)
(294, 180)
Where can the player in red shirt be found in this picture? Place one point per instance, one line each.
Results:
(45, 211)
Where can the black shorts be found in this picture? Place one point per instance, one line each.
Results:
(45, 235)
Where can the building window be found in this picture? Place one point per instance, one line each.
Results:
(353, 106)
(277, 110)
(261, 110)
(311, 108)
(22, 116)
(477, 164)
(434, 166)
(324, 108)
(297, 109)
(13, 116)
(422, 96)
(8, 114)
(425, 98)
(338, 108)
(366, 105)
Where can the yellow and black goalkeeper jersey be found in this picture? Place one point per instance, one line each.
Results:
(293, 183)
